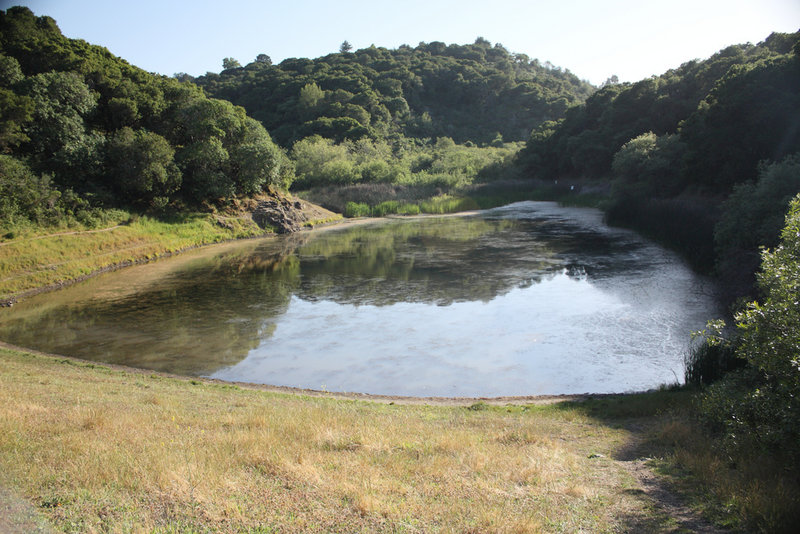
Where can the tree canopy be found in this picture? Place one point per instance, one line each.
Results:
(465, 92)
(76, 118)
(732, 110)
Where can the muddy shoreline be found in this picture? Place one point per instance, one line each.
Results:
(335, 395)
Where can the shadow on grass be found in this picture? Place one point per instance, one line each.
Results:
(658, 422)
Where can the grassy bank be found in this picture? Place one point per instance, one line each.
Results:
(45, 257)
(378, 200)
(99, 449)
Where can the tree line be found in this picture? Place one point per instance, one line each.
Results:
(476, 93)
(81, 129)
(673, 148)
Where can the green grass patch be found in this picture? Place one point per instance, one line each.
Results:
(38, 260)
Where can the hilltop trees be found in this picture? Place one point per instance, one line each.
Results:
(335, 111)
(78, 122)
(750, 115)
(230, 63)
(468, 93)
(673, 147)
(730, 110)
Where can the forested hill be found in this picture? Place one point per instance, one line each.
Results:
(704, 157)
(81, 129)
(744, 93)
(465, 92)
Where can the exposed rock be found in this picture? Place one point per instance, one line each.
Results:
(287, 216)
(278, 214)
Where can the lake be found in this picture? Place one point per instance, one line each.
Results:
(528, 299)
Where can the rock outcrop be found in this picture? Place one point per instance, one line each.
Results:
(285, 215)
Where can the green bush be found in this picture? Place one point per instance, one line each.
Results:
(708, 362)
(752, 217)
(355, 209)
(385, 208)
(760, 407)
(408, 209)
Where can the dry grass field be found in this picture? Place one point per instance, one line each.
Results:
(100, 449)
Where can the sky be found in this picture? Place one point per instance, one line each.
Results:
(594, 39)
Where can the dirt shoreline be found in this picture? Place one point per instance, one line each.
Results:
(336, 395)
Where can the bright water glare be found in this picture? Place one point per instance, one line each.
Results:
(528, 299)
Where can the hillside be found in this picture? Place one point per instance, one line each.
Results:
(584, 143)
(466, 92)
(81, 130)
(672, 148)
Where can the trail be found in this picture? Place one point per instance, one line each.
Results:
(76, 232)
(667, 502)
(668, 512)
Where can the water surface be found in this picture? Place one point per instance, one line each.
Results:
(528, 299)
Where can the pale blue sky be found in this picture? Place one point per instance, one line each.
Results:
(593, 38)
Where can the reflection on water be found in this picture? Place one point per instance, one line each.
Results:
(527, 299)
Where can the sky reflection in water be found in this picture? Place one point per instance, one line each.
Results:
(528, 299)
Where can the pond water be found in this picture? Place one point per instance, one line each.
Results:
(527, 299)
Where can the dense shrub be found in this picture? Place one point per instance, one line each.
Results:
(441, 164)
(356, 209)
(760, 407)
(752, 217)
(709, 362)
(28, 197)
(114, 134)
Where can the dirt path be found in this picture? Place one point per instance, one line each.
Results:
(680, 517)
(76, 232)
(668, 512)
